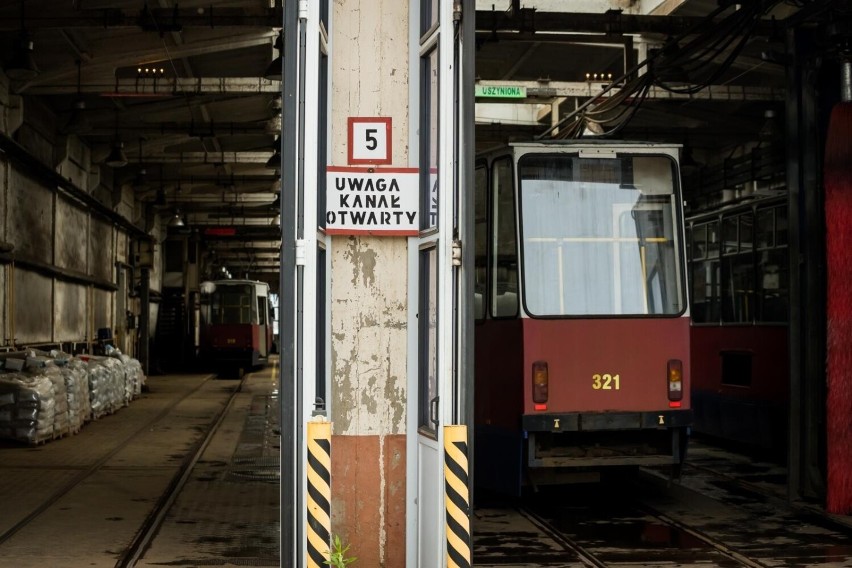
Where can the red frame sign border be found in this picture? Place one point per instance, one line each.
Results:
(351, 122)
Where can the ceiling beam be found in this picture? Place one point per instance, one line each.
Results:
(228, 232)
(244, 249)
(610, 22)
(47, 15)
(192, 130)
(214, 158)
(538, 90)
(148, 86)
(130, 54)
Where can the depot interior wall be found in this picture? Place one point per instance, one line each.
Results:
(368, 294)
(4, 271)
(51, 232)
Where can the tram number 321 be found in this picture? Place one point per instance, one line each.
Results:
(606, 382)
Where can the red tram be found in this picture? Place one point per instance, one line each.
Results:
(582, 321)
(238, 326)
(739, 271)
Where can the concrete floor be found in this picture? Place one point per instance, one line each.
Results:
(81, 500)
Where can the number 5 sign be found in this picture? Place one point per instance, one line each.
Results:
(370, 140)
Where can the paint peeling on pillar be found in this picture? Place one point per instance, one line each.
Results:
(363, 263)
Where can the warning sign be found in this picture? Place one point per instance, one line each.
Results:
(375, 201)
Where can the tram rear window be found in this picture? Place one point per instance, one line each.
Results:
(232, 304)
(599, 236)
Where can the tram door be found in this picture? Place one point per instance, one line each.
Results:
(434, 360)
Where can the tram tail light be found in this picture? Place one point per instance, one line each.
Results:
(674, 377)
(539, 383)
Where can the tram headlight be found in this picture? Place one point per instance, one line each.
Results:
(674, 376)
(539, 383)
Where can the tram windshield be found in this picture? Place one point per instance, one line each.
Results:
(599, 236)
(230, 304)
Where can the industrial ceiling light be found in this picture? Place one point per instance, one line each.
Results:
(276, 69)
(22, 66)
(117, 158)
(78, 123)
(771, 130)
(140, 181)
(176, 220)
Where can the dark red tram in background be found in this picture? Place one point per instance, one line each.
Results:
(739, 269)
(582, 333)
(237, 331)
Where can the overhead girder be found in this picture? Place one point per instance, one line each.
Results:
(544, 89)
(612, 22)
(214, 158)
(149, 86)
(227, 232)
(46, 14)
(193, 130)
(129, 54)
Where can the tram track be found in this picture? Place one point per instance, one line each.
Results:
(589, 557)
(155, 518)
(95, 467)
(709, 520)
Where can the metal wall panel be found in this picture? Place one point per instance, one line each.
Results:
(121, 247)
(103, 310)
(31, 218)
(71, 236)
(33, 307)
(101, 259)
(4, 322)
(70, 310)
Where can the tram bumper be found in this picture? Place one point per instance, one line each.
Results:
(577, 440)
(601, 421)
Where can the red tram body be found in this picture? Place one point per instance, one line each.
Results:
(582, 322)
(238, 324)
(738, 260)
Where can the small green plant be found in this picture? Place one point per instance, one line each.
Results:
(337, 555)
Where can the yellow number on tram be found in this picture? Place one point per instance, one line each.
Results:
(606, 382)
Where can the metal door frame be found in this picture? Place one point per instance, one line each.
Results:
(298, 275)
(455, 225)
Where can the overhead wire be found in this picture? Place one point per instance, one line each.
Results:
(740, 25)
(707, 41)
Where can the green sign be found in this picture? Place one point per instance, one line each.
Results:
(501, 92)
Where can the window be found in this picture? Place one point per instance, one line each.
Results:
(428, 15)
(736, 368)
(232, 304)
(504, 260)
(704, 269)
(599, 236)
(429, 141)
(480, 261)
(261, 310)
(738, 268)
(428, 343)
(772, 265)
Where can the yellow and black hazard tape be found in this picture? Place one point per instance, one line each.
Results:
(319, 494)
(457, 496)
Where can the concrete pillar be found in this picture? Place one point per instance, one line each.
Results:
(369, 78)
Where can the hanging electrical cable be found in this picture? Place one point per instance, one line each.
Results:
(694, 64)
